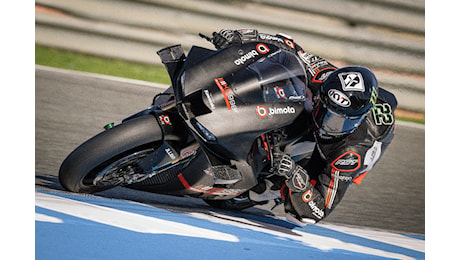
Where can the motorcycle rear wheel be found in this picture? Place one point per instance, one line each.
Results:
(114, 150)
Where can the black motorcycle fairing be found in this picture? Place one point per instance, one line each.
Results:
(238, 93)
(230, 97)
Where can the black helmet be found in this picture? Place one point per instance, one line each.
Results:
(344, 100)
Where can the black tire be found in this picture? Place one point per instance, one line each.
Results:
(109, 146)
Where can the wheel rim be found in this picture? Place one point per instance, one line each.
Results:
(123, 171)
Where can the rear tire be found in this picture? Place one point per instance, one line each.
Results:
(133, 136)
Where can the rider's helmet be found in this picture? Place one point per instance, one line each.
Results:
(344, 100)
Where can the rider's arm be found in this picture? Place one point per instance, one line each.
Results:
(317, 67)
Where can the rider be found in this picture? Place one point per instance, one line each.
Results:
(353, 124)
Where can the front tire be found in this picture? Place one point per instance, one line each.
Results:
(122, 141)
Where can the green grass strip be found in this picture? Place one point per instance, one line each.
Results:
(75, 61)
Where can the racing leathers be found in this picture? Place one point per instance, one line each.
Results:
(316, 185)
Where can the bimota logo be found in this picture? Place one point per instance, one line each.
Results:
(260, 48)
(281, 110)
(263, 112)
(317, 212)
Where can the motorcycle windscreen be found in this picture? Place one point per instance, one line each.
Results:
(282, 78)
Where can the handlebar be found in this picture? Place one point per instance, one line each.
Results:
(205, 37)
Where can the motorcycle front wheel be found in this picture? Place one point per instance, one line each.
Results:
(110, 158)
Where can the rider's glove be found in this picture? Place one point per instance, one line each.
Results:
(225, 38)
(285, 165)
(296, 177)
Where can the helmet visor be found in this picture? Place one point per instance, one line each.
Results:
(333, 123)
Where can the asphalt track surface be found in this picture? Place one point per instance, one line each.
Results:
(71, 107)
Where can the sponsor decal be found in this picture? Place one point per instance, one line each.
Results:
(228, 94)
(321, 75)
(289, 43)
(281, 110)
(260, 49)
(210, 99)
(339, 98)
(286, 40)
(373, 155)
(351, 81)
(347, 162)
(297, 98)
(280, 92)
(307, 196)
(164, 119)
(305, 57)
(263, 112)
(383, 114)
(317, 67)
(241, 60)
(336, 175)
(317, 212)
(170, 153)
(189, 151)
(269, 37)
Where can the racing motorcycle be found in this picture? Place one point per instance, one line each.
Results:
(211, 135)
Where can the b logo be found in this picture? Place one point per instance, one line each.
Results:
(289, 43)
(307, 196)
(280, 92)
(262, 111)
(262, 48)
(165, 120)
